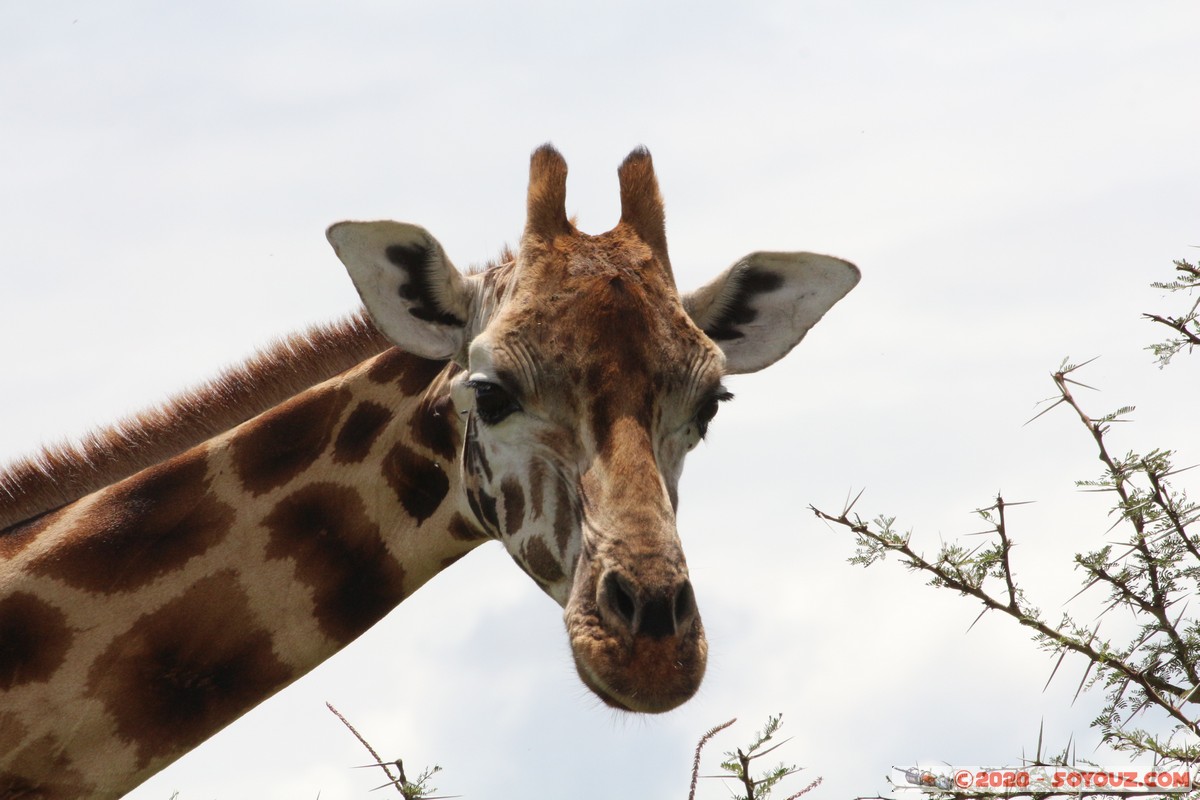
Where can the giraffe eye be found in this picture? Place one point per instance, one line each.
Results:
(493, 403)
(708, 409)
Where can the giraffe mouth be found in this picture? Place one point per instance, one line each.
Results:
(608, 699)
(641, 674)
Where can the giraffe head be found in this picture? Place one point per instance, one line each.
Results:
(585, 379)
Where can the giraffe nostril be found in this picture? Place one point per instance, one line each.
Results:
(656, 612)
(619, 599)
(685, 605)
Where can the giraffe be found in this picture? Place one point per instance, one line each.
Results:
(164, 577)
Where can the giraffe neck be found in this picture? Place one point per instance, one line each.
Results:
(141, 619)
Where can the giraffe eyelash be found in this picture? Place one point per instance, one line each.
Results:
(708, 409)
(493, 403)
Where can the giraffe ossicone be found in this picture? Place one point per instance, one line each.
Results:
(547, 402)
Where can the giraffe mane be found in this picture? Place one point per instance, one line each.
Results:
(64, 472)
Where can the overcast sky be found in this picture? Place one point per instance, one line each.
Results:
(1009, 177)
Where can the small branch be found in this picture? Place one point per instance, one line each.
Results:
(806, 789)
(747, 780)
(700, 746)
(1178, 325)
(1178, 525)
(379, 761)
(1005, 547)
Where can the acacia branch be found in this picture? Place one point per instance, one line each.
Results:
(1157, 606)
(1178, 525)
(1176, 324)
(1154, 686)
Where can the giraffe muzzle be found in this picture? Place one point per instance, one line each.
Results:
(639, 647)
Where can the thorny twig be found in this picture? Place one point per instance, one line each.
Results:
(700, 746)
(1159, 570)
(410, 791)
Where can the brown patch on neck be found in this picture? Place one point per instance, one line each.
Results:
(411, 373)
(64, 473)
(360, 430)
(419, 483)
(33, 640)
(185, 670)
(146, 527)
(286, 440)
(324, 530)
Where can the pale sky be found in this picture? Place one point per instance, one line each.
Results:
(1008, 176)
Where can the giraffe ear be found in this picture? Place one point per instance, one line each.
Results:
(414, 294)
(761, 307)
